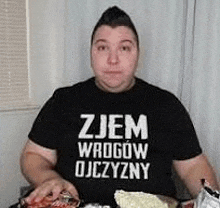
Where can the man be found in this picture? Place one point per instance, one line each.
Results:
(113, 131)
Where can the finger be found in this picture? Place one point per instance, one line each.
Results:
(31, 198)
(72, 190)
(56, 192)
(38, 194)
(42, 193)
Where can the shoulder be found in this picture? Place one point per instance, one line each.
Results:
(155, 93)
(74, 90)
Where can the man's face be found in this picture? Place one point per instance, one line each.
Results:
(114, 58)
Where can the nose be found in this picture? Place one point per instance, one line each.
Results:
(113, 57)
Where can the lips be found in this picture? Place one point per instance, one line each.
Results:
(113, 72)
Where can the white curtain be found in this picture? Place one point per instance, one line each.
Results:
(180, 51)
(204, 93)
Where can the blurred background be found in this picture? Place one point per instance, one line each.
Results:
(45, 44)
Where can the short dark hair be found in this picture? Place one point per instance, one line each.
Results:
(115, 17)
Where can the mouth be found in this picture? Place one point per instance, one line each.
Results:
(113, 72)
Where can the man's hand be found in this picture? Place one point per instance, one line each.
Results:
(193, 170)
(52, 188)
(37, 165)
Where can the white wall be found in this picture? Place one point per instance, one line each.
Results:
(46, 57)
(14, 127)
(46, 68)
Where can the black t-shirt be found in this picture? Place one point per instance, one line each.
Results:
(111, 141)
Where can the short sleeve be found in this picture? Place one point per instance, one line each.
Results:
(46, 127)
(186, 144)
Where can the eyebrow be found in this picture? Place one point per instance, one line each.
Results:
(127, 40)
(100, 40)
(103, 40)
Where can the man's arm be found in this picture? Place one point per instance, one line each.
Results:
(191, 171)
(37, 165)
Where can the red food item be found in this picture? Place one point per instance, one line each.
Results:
(49, 204)
(188, 204)
(191, 205)
(61, 202)
(45, 203)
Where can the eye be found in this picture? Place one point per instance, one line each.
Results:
(125, 48)
(102, 48)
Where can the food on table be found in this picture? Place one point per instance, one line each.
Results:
(65, 200)
(126, 199)
(188, 204)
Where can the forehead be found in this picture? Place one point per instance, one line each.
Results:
(119, 33)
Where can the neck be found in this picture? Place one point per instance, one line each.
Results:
(114, 90)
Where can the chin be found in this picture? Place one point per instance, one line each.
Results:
(117, 88)
(113, 85)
